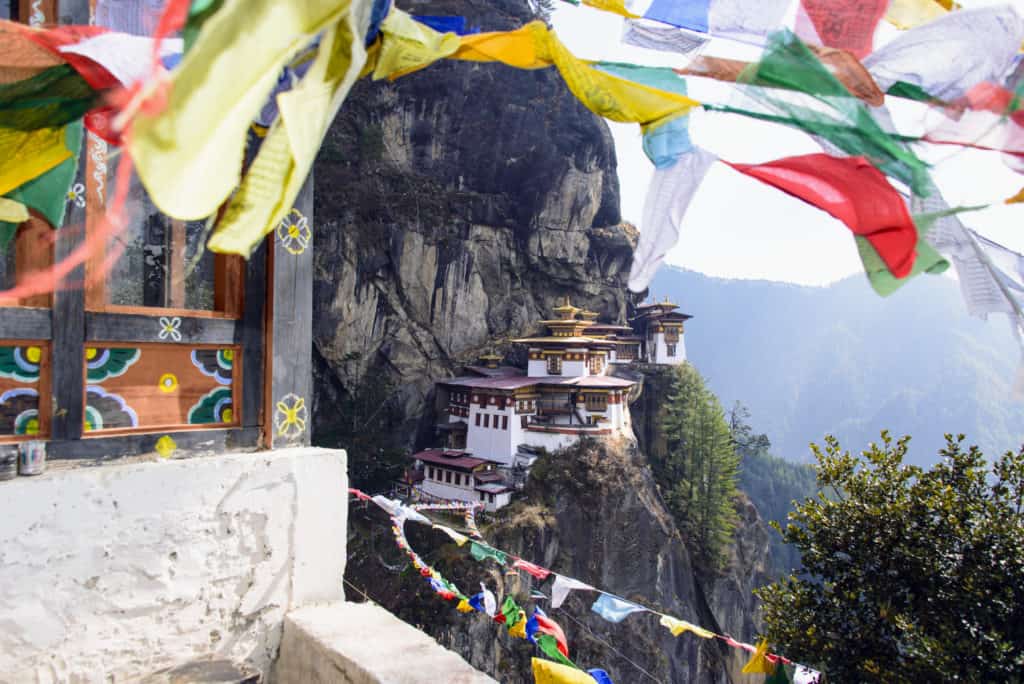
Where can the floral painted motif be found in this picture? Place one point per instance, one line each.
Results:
(20, 363)
(290, 416)
(76, 195)
(105, 410)
(215, 363)
(170, 328)
(103, 363)
(166, 446)
(19, 412)
(168, 383)
(294, 232)
(216, 407)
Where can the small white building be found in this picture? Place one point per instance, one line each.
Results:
(660, 329)
(454, 475)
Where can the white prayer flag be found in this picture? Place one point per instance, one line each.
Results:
(561, 588)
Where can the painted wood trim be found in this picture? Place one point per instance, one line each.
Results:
(189, 443)
(38, 12)
(16, 323)
(110, 327)
(97, 178)
(251, 335)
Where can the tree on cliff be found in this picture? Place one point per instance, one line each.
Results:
(699, 470)
(913, 575)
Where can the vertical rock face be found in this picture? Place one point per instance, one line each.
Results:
(454, 207)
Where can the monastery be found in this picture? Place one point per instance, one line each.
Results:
(498, 419)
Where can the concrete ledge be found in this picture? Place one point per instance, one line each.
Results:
(360, 643)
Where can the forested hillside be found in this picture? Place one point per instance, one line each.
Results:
(841, 360)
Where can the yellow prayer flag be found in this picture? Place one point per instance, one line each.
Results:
(518, 630)
(906, 14)
(29, 154)
(12, 211)
(605, 95)
(276, 176)
(548, 672)
(189, 156)
(1016, 199)
(677, 627)
(458, 538)
(406, 46)
(758, 663)
(613, 6)
(464, 607)
(515, 48)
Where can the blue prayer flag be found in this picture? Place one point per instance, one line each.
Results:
(690, 14)
(600, 676)
(614, 609)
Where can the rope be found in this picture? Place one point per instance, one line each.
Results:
(360, 591)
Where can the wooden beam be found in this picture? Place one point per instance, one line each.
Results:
(96, 181)
(290, 337)
(109, 327)
(32, 324)
(251, 334)
(177, 249)
(192, 442)
(229, 280)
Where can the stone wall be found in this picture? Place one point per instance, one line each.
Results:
(119, 571)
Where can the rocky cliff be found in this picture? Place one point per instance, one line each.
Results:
(592, 512)
(455, 206)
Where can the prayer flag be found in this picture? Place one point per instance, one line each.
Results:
(481, 552)
(283, 163)
(549, 646)
(48, 192)
(841, 23)
(744, 20)
(979, 44)
(12, 213)
(561, 588)
(53, 98)
(464, 606)
(779, 676)
(542, 624)
(641, 35)
(614, 609)
(408, 45)
(677, 627)
(853, 191)
(545, 672)
(441, 588)
(444, 24)
(668, 197)
(905, 14)
(534, 570)
(600, 676)
(29, 154)
(510, 609)
(189, 155)
(484, 602)
(759, 663)
(805, 675)
(456, 537)
(610, 96)
(20, 56)
(613, 6)
(124, 58)
(518, 628)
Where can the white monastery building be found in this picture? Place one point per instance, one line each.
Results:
(497, 418)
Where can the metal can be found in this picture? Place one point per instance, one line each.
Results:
(8, 461)
(33, 458)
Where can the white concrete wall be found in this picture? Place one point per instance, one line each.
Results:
(449, 490)
(552, 441)
(574, 369)
(537, 368)
(110, 573)
(491, 443)
(661, 351)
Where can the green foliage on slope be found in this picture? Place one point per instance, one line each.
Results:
(843, 361)
(914, 575)
(698, 473)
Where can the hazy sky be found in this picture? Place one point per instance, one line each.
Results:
(738, 227)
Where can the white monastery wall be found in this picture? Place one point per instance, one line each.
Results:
(491, 443)
(114, 572)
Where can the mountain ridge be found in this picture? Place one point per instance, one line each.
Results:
(811, 360)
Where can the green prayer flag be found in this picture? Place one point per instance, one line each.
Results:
(52, 98)
(909, 91)
(198, 12)
(481, 551)
(549, 645)
(928, 260)
(510, 609)
(48, 193)
(843, 120)
(779, 676)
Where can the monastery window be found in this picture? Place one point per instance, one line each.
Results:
(670, 349)
(554, 365)
(448, 476)
(597, 402)
(504, 422)
(487, 420)
(671, 334)
(478, 420)
(458, 478)
(595, 365)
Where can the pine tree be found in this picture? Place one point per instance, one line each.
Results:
(700, 467)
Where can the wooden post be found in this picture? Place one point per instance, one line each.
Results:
(96, 181)
(289, 345)
(38, 12)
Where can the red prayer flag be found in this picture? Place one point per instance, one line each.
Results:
(546, 625)
(844, 24)
(853, 191)
(534, 570)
